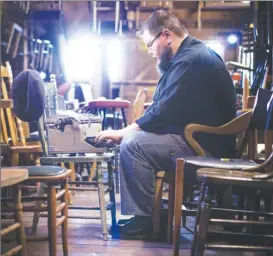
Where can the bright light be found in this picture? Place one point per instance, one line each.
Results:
(217, 47)
(232, 39)
(80, 55)
(43, 75)
(115, 60)
(246, 2)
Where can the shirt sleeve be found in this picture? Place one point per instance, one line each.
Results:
(173, 100)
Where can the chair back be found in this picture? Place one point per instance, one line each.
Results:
(138, 105)
(257, 123)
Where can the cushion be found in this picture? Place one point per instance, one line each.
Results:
(42, 170)
(28, 94)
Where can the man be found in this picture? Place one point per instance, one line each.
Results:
(195, 87)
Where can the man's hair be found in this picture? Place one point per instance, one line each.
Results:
(160, 20)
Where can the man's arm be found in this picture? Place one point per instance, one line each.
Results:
(116, 135)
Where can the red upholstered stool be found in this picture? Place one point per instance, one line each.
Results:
(106, 104)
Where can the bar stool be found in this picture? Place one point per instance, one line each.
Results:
(106, 104)
(13, 177)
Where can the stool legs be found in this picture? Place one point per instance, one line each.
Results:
(52, 222)
(20, 232)
(65, 223)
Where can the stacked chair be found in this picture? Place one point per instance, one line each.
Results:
(229, 176)
(49, 175)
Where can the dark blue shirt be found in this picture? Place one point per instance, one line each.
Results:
(196, 88)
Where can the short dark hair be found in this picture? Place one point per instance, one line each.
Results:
(160, 20)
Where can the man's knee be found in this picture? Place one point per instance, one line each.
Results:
(129, 142)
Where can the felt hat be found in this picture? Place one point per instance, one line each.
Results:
(28, 94)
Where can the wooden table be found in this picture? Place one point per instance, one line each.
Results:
(12, 177)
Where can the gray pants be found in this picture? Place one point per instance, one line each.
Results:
(141, 155)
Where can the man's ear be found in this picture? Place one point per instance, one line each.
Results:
(168, 34)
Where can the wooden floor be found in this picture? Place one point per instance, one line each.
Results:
(85, 237)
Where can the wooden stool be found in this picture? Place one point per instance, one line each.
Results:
(12, 177)
(105, 104)
(51, 176)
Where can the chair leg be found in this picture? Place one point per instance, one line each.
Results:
(203, 229)
(197, 219)
(156, 208)
(171, 206)
(52, 221)
(65, 223)
(102, 202)
(20, 232)
(36, 215)
(179, 177)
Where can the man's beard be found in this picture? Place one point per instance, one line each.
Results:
(164, 60)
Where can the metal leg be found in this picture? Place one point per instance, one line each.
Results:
(104, 127)
(112, 193)
(114, 119)
(116, 156)
(102, 202)
(124, 117)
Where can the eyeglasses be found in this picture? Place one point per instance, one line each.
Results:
(150, 44)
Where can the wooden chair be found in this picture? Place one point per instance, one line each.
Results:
(11, 178)
(255, 183)
(238, 125)
(11, 127)
(246, 122)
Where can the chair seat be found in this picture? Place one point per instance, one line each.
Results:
(193, 163)
(109, 104)
(233, 177)
(33, 137)
(225, 163)
(44, 171)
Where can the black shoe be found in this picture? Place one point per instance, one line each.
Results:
(124, 221)
(138, 227)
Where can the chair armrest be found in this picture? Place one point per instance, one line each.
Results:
(261, 168)
(237, 125)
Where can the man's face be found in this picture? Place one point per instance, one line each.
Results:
(159, 47)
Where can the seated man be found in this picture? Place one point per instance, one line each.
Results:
(195, 87)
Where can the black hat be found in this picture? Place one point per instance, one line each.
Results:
(28, 94)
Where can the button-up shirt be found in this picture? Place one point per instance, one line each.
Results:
(196, 88)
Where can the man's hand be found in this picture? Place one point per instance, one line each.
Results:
(112, 135)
